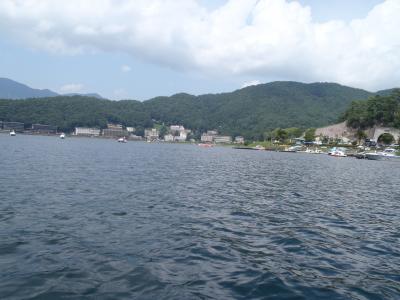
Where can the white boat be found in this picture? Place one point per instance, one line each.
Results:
(338, 153)
(311, 151)
(293, 149)
(12, 133)
(258, 147)
(122, 140)
(62, 136)
(387, 154)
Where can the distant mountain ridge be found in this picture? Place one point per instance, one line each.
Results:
(10, 89)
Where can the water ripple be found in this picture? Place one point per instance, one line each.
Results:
(94, 219)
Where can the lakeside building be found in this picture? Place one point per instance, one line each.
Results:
(206, 138)
(182, 136)
(209, 136)
(239, 140)
(130, 129)
(44, 129)
(168, 138)
(114, 130)
(16, 126)
(212, 132)
(151, 134)
(86, 131)
(223, 139)
(114, 126)
(176, 128)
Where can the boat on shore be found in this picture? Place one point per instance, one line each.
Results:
(387, 154)
(12, 133)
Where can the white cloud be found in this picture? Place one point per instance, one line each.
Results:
(71, 88)
(274, 38)
(126, 68)
(250, 83)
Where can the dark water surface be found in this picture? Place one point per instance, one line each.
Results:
(95, 219)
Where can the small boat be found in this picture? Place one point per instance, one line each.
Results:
(205, 145)
(258, 147)
(12, 133)
(122, 140)
(338, 153)
(387, 154)
(311, 151)
(293, 149)
(62, 136)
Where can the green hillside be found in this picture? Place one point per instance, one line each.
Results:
(250, 111)
(253, 110)
(377, 110)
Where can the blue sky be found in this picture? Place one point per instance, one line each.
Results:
(152, 67)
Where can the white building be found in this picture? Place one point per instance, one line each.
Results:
(222, 139)
(130, 129)
(176, 128)
(87, 131)
(182, 137)
(206, 138)
(169, 138)
(239, 140)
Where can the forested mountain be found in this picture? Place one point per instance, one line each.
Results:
(67, 112)
(377, 110)
(253, 110)
(250, 111)
(10, 89)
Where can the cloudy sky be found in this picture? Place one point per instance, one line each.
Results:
(138, 49)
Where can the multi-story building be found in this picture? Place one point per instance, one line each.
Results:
(85, 131)
(114, 130)
(42, 128)
(206, 138)
(151, 134)
(212, 132)
(114, 126)
(182, 136)
(16, 126)
(222, 139)
(176, 128)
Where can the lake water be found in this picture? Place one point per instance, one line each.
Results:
(85, 218)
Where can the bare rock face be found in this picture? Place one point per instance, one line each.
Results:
(337, 131)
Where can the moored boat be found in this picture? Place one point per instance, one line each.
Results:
(258, 147)
(205, 145)
(62, 136)
(338, 153)
(12, 133)
(387, 154)
(122, 140)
